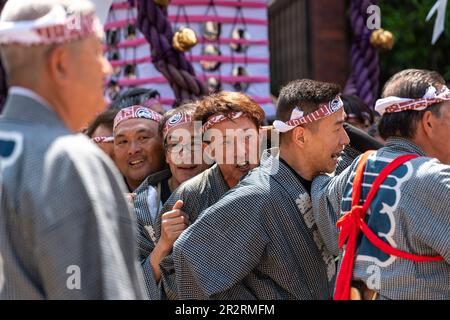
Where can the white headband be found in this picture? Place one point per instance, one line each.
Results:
(298, 118)
(55, 27)
(396, 104)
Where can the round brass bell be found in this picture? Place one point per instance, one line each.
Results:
(382, 39)
(184, 39)
(113, 89)
(116, 71)
(211, 30)
(239, 72)
(112, 37)
(130, 71)
(130, 32)
(113, 54)
(213, 84)
(239, 34)
(210, 50)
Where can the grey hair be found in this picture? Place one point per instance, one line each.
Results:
(19, 61)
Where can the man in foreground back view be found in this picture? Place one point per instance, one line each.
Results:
(392, 206)
(65, 228)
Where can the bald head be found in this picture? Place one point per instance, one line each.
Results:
(60, 57)
(24, 64)
(26, 10)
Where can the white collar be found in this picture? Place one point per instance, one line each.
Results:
(21, 91)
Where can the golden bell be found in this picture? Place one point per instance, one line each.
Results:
(184, 39)
(162, 3)
(382, 39)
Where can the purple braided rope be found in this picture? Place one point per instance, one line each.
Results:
(364, 78)
(152, 21)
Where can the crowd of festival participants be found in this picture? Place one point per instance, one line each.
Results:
(208, 200)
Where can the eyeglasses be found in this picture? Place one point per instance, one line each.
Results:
(186, 147)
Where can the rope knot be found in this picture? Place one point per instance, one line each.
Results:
(349, 224)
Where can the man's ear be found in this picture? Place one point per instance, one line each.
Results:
(59, 64)
(428, 122)
(298, 136)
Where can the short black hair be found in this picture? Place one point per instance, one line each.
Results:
(106, 118)
(306, 94)
(133, 96)
(409, 83)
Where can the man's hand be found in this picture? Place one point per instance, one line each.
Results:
(173, 223)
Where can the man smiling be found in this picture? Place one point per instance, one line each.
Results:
(223, 116)
(260, 241)
(137, 146)
(183, 148)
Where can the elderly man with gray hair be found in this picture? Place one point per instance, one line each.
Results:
(66, 231)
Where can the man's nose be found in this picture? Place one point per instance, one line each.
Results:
(107, 68)
(345, 138)
(241, 150)
(134, 147)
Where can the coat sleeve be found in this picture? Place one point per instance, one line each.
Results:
(145, 241)
(429, 219)
(222, 246)
(86, 248)
(145, 248)
(326, 197)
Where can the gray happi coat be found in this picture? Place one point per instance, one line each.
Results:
(197, 193)
(411, 212)
(66, 231)
(259, 241)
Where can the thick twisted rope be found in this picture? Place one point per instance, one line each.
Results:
(154, 24)
(364, 78)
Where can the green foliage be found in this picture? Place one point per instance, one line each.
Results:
(413, 48)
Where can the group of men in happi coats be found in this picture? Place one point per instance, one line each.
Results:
(320, 211)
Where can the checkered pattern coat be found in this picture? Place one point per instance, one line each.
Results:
(197, 194)
(411, 212)
(62, 211)
(259, 241)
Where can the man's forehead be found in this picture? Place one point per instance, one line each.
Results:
(243, 123)
(181, 130)
(338, 116)
(135, 125)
